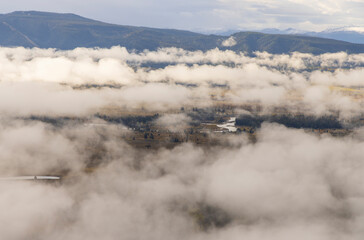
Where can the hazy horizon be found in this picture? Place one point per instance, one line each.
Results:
(209, 16)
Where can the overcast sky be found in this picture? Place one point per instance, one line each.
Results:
(208, 15)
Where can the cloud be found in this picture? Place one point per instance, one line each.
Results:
(203, 15)
(23, 99)
(308, 15)
(288, 183)
(174, 122)
(230, 42)
(82, 82)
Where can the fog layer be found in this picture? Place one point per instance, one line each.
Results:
(287, 184)
(81, 81)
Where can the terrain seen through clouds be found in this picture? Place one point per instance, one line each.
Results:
(176, 144)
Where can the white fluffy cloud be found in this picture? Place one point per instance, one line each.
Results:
(230, 42)
(83, 81)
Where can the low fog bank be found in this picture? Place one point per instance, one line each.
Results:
(296, 60)
(67, 113)
(289, 184)
(83, 81)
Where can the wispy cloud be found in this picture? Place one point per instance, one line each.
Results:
(310, 15)
(210, 15)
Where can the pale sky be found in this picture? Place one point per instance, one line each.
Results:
(208, 15)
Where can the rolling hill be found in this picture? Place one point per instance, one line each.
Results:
(68, 31)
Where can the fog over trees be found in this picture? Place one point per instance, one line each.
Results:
(141, 156)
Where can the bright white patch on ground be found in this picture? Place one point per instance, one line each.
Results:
(30, 178)
(229, 125)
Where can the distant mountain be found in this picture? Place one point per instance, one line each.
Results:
(349, 34)
(68, 31)
(285, 31)
(276, 43)
(222, 32)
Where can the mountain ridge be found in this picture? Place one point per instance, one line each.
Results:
(68, 31)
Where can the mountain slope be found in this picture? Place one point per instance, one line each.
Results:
(276, 43)
(68, 31)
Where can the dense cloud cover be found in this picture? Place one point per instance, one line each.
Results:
(38, 81)
(289, 184)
